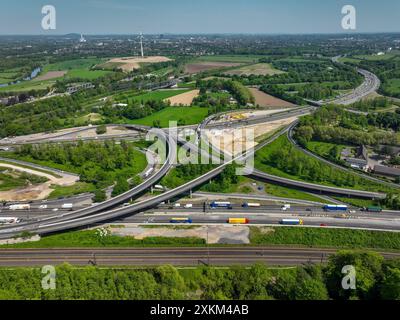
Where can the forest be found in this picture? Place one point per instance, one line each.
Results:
(101, 164)
(336, 125)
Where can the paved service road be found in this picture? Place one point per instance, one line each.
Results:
(175, 256)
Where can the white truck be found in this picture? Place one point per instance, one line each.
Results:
(285, 207)
(67, 206)
(20, 207)
(9, 220)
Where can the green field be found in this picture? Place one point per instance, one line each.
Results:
(79, 68)
(274, 236)
(28, 85)
(323, 148)
(325, 237)
(183, 115)
(77, 188)
(91, 238)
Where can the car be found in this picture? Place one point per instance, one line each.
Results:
(352, 211)
(323, 225)
(55, 209)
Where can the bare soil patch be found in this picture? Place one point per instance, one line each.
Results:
(214, 234)
(258, 69)
(267, 101)
(35, 192)
(235, 141)
(198, 67)
(185, 99)
(131, 63)
(51, 75)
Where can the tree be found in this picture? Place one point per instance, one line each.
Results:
(99, 196)
(368, 267)
(101, 129)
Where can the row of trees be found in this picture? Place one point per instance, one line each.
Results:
(133, 109)
(375, 279)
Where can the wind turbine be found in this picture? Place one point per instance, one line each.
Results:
(141, 44)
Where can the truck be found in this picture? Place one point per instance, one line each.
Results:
(251, 205)
(148, 172)
(181, 220)
(67, 206)
(373, 209)
(9, 220)
(335, 207)
(219, 204)
(20, 207)
(291, 222)
(238, 221)
(285, 207)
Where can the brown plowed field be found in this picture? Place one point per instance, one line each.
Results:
(268, 101)
(198, 67)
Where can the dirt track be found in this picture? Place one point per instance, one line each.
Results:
(35, 192)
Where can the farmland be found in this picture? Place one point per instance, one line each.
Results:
(185, 99)
(79, 68)
(259, 69)
(149, 96)
(265, 100)
(198, 67)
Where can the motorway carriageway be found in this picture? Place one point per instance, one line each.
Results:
(194, 256)
(269, 219)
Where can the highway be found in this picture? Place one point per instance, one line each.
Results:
(313, 218)
(217, 256)
(360, 174)
(107, 204)
(256, 174)
(98, 214)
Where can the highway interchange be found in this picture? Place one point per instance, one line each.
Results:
(148, 210)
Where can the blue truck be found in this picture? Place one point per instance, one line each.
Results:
(334, 207)
(219, 204)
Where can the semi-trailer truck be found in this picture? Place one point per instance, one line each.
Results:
(181, 220)
(9, 220)
(334, 207)
(219, 204)
(238, 221)
(20, 207)
(291, 222)
(250, 205)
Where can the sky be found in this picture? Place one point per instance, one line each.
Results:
(197, 16)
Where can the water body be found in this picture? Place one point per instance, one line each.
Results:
(33, 75)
